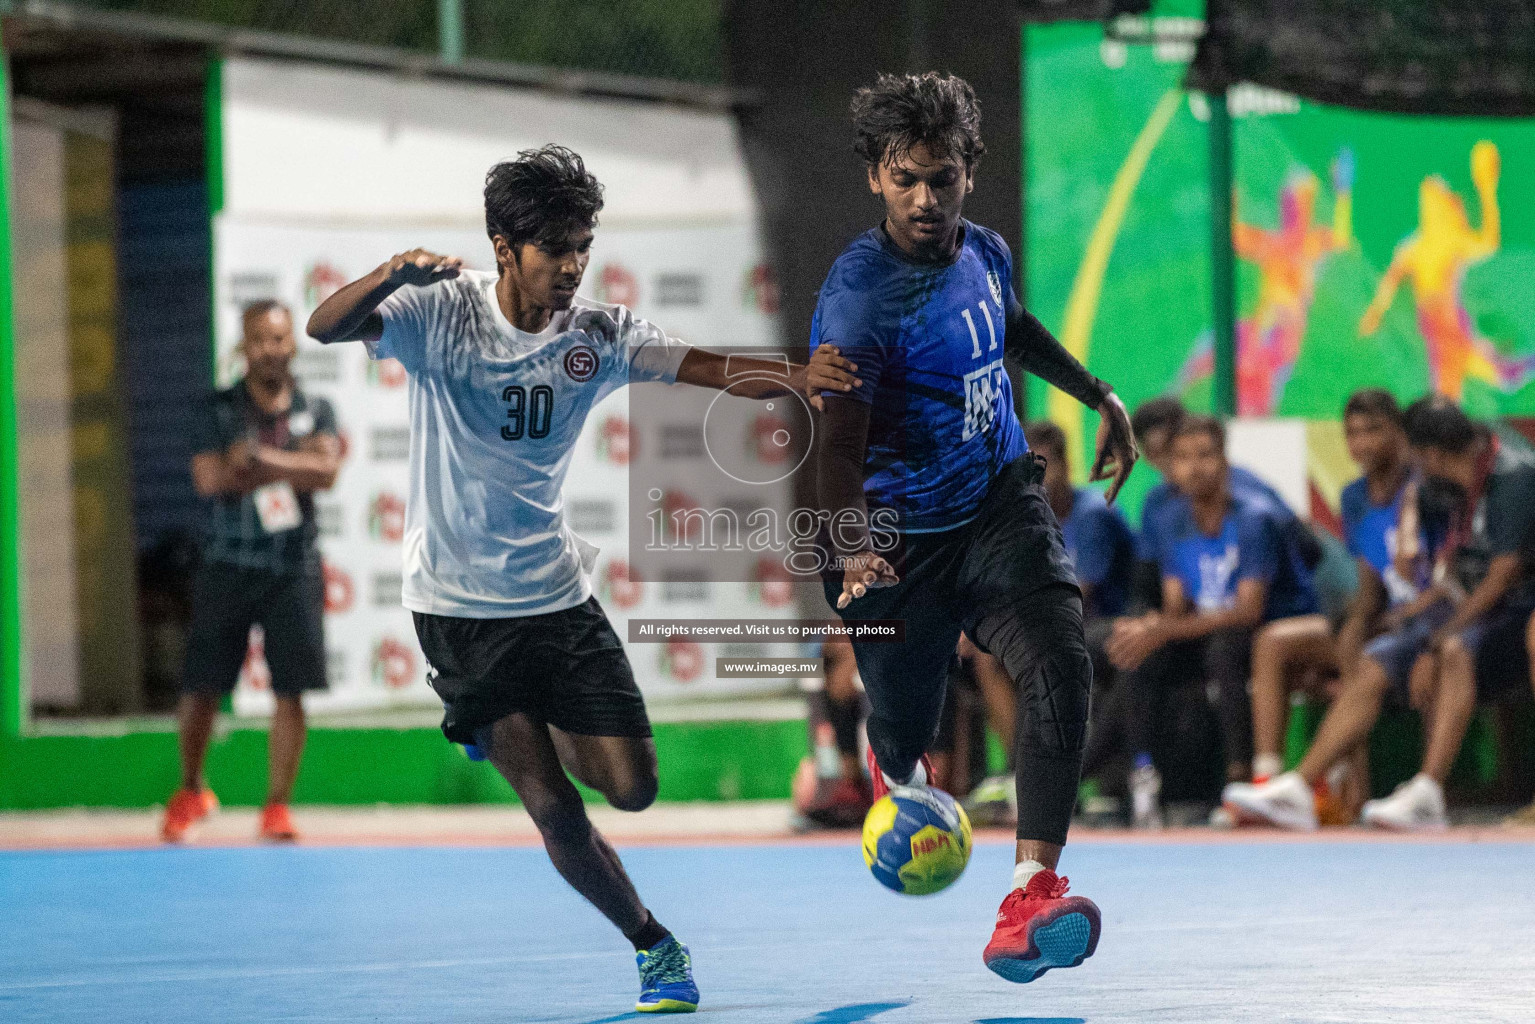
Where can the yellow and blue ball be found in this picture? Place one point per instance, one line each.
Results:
(916, 840)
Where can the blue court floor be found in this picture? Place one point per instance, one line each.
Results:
(780, 933)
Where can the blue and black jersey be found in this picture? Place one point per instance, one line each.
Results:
(928, 340)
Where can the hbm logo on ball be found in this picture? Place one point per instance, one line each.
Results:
(916, 841)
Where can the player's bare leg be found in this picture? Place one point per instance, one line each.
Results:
(621, 768)
(195, 715)
(194, 800)
(525, 752)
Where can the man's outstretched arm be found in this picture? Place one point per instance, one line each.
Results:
(1038, 352)
(759, 378)
(351, 314)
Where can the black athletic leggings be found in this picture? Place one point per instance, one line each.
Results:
(1040, 642)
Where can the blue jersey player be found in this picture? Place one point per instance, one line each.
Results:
(936, 513)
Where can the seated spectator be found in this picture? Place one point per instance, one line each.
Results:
(1156, 423)
(1467, 641)
(1228, 566)
(1306, 648)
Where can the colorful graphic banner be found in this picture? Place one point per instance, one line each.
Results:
(1372, 249)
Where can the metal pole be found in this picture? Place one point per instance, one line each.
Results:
(1222, 259)
(450, 31)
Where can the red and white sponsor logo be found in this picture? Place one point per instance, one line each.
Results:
(340, 591)
(775, 587)
(387, 373)
(615, 441)
(321, 281)
(682, 660)
(674, 508)
(619, 588)
(770, 438)
(394, 663)
(617, 284)
(386, 517)
(761, 289)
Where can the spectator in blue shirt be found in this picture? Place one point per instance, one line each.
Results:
(1228, 565)
(1098, 538)
(1156, 423)
(1391, 576)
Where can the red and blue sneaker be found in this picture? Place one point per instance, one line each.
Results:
(666, 978)
(877, 783)
(1040, 927)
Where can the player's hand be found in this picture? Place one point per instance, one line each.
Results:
(1116, 446)
(420, 267)
(1133, 641)
(864, 572)
(828, 370)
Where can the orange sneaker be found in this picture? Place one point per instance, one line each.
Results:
(277, 824)
(185, 808)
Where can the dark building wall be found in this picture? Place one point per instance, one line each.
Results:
(803, 60)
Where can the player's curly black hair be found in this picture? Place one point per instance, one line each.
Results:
(542, 197)
(899, 111)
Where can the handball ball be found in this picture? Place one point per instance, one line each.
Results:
(916, 840)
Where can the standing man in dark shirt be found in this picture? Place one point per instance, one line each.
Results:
(261, 450)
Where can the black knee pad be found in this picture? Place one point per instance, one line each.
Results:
(1042, 644)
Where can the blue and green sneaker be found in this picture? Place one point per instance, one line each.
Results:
(666, 978)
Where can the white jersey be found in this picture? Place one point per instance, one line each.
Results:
(494, 417)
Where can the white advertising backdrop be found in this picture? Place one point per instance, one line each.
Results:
(330, 172)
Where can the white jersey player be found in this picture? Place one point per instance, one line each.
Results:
(503, 370)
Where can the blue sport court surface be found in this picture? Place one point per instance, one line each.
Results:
(791, 933)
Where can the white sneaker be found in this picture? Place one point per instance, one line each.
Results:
(1285, 800)
(1417, 805)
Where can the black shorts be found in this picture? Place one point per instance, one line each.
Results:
(227, 600)
(565, 668)
(950, 580)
